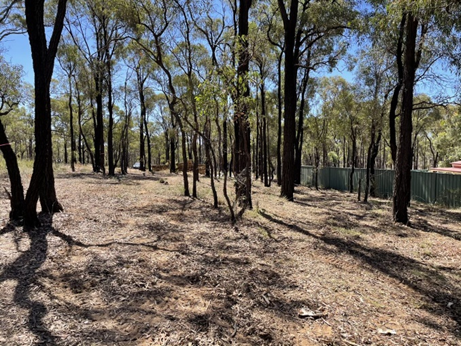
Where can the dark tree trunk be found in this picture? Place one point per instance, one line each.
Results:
(396, 94)
(167, 147)
(291, 69)
(110, 108)
(80, 129)
(354, 157)
(242, 150)
(265, 156)
(225, 163)
(172, 155)
(99, 128)
(42, 181)
(149, 151)
(402, 182)
(300, 132)
(142, 121)
(73, 148)
(219, 169)
(142, 152)
(184, 158)
(17, 191)
(279, 122)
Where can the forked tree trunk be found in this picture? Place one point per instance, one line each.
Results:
(42, 181)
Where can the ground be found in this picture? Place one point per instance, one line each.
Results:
(132, 262)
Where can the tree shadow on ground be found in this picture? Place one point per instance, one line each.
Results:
(245, 286)
(24, 271)
(429, 282)
(424, 226)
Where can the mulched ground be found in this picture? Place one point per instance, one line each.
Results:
(132, 262)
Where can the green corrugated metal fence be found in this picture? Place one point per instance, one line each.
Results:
(426, 187)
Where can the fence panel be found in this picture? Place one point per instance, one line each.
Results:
(448, 190)
(384, 181)
(423, 187)
(426, 187)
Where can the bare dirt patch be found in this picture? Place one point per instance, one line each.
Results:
(132, 262)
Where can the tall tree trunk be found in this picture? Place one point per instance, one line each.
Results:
(110, 108)
(73, 148)
(353, 159)
(242, 151)
(279, 122)
(42, 181)
(402, 182)
(142, 120)
(225, 164)
(289, 132)
(300, 132)
(142, 150)
(265, 156)
(149, 151)
(398, 87)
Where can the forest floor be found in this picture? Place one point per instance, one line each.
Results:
(132, 262)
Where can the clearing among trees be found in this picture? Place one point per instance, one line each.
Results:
(132, 262)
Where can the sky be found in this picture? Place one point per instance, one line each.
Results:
(17, 51)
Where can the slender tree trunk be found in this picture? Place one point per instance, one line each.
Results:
(142, 154)
(73, 148)
(184, 157)
(279, 122)
(353, 161)
(398, 87)
(291, 71)
(17, 191)
(149, 150)
(99, 127)
(224, 145)
(110, 108)
(300, 132)
(402, 182)
(265, 156)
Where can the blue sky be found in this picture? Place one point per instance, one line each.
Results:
(17, 51)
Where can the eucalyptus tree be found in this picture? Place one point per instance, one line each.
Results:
(85, 29)
(242, 144)
(98, 33)
(67, 61)
(151, 26)
(373, 80)
(212, 27)
(307, 25)
(191, 58)
(274, 33)
(264, 58)
(136, 60)
(43, 56)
